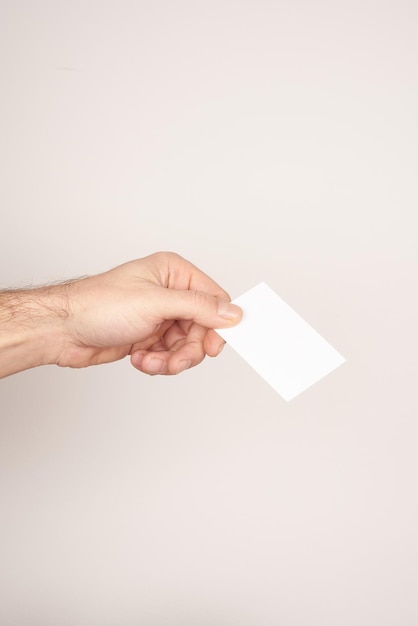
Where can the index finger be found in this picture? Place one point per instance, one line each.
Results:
(184, 275)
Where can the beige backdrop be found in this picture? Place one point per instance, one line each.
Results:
(263, 140)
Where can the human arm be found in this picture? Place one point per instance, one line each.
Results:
(160, 310)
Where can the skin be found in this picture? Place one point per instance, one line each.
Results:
(159, 310)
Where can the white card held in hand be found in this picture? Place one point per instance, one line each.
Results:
(288, 353)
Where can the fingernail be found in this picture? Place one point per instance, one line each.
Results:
(221, 347)
(183, 365)
(155, 365)
(137, 358)
(228, 311)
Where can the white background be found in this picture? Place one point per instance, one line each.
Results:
(262, 140)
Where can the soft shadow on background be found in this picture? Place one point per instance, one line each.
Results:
(262, 140)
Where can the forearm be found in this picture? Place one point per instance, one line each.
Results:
(31, 327)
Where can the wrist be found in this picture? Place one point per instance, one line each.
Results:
(32, 324)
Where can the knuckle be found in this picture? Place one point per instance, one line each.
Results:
(200, 300)
(168, 256)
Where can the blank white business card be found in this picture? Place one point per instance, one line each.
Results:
(277, 342)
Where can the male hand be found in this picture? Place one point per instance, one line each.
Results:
(161, 310)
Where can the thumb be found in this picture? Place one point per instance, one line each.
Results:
(199, 306)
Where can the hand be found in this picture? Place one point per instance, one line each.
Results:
(160, 310)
